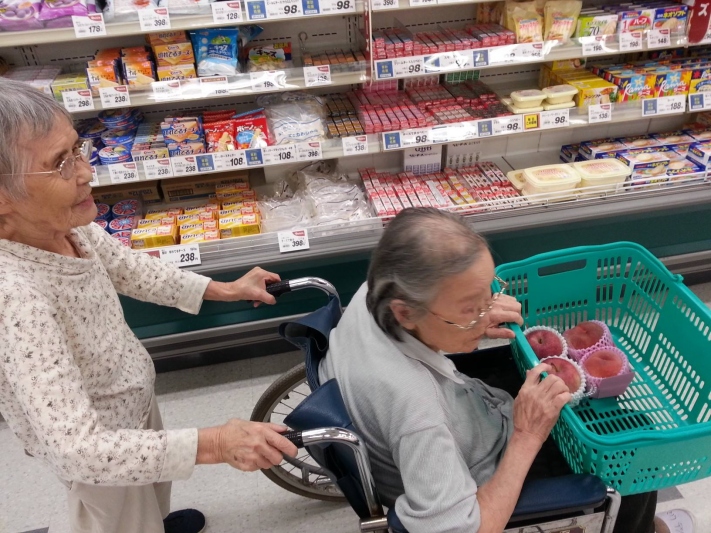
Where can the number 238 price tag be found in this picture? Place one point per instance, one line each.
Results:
(294, 240)
(114, 96)
(181, 256)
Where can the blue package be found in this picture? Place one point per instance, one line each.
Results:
(216, 51)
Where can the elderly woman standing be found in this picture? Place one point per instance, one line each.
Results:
(76, 385)
(449, 452)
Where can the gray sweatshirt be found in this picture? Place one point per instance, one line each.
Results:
(433, 434)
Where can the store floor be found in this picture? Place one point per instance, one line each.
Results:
(31, 499)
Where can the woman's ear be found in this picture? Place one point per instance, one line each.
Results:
(403, 313)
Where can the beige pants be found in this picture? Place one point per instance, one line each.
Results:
(132, 509)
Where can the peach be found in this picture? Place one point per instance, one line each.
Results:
(565, 370)
(603, 363)
(584, 335)
(545, 343)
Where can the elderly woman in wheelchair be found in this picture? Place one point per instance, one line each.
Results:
(447, 451)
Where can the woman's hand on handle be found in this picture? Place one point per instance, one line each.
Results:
(252, 286)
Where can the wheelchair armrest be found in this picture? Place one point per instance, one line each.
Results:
(561, 495)
(394, 522)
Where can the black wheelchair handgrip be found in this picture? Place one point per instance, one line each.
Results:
(278, 288)
(295, 438)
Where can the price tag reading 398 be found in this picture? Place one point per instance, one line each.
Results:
(114, 96)
(154, 19)
(294, 240)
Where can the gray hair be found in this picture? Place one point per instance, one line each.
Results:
(419, 249)
(25, 114)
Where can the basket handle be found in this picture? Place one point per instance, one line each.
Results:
(560, 268)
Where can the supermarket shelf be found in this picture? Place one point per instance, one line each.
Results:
(402, 5)
(201, 19)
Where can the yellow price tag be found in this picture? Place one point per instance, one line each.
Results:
(530, 122)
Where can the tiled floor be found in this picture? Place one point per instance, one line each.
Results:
(31, 498)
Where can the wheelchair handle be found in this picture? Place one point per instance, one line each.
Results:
(278, 288)
(295, 438)
(288, 285)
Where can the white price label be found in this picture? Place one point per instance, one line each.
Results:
(114, 96)
(660, 38)
(275, 155)
(167, 90)
(270, 80)
(184, 165)
(337, 6)
(232, 160)
(315, 76)
(515, 53)
(417, 137)
(78, 100)
(408, 66)
(665, 105)
(529, 51)
(277, 9)
(697, 102)
(293, 241)
(508, 125)
(157, 169)
(154, 18)
(448, 61)
(123, 173)
(385, 4)
(357, 145)
(226, 12)
(415, 3)
(180, 256)
(631, 41)
(595, 45)
(555, 119)
(90, 26)
(214, 86)
(599, 113)
(94, 177)
(309, 151)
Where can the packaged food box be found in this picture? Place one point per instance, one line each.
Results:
(239, 226)
(639, 141)
(548, 179)
(568, 152)
(700, 153)
(672, 17)
(598, 23)
(672, 82)
(590, 149)
(634, 85)
(699, 134)
(146, 191)
(68, 82)
(166, 37)
(528, 98)
(195, 187)
(646, 163)
(700, 80)
(174, 54)
(559, 94)
(672, 137)
(142, 238)
(176, 72)
(603, 174)
(595, 92)
(682, 169)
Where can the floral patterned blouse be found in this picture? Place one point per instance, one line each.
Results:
(75, 382)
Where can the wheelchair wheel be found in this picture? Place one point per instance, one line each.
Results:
(300, 475)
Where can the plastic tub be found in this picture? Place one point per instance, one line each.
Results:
(549, 179)
(528, 98)
(604, 174)
(560, 94)
(658, 434)
(553, 107)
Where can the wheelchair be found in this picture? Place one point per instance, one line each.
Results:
(335, 465)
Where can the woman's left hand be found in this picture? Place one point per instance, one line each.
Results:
(506, 309)
(252, 286)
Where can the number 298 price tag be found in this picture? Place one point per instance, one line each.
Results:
(78, 100)
(293, 241)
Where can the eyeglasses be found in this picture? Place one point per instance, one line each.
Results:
(81, 151)
(503, 284)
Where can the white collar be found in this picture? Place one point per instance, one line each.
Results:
(437, 361)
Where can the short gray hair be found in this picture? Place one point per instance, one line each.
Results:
(25, 114)
(419, 249)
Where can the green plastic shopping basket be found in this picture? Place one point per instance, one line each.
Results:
(658, 433)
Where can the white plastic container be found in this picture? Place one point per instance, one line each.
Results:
(549, 181)
(528, 98)
(560, 94)
(553, 107)
(604, 174)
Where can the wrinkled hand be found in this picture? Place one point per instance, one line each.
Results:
(538, 404)
(252, 446)
(252, 286)
(506, 309)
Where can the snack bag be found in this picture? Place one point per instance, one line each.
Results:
(216, 51)
(270, 57)
(525, 22)
(560, 19)
(220, 136)
(20, 15)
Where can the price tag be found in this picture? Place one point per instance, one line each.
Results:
(268, 80)
(385, 4)
(230, 160)
(293, 241)
(448, 61)
(315, 76)
(184, 165)
(123, 173)
(337, 6)
(279, 9)
(631, 42)
(595, 45)
(309, 151)
(275, 155)
(529, 51)
(154, 19)
(167, 90)
(157, 169)
(599, 113)
(664, 105)
(114, 96)
(78, 100)
(357, 145)
(415, 3)
(392, 140)
(658, 38)
(214, 86)
(226, 12)
(508, 125)
(555, 119)
(408, 66)
(89, 26)
(181, 256)
(697, 102)
(94, 177)
(418, 137)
